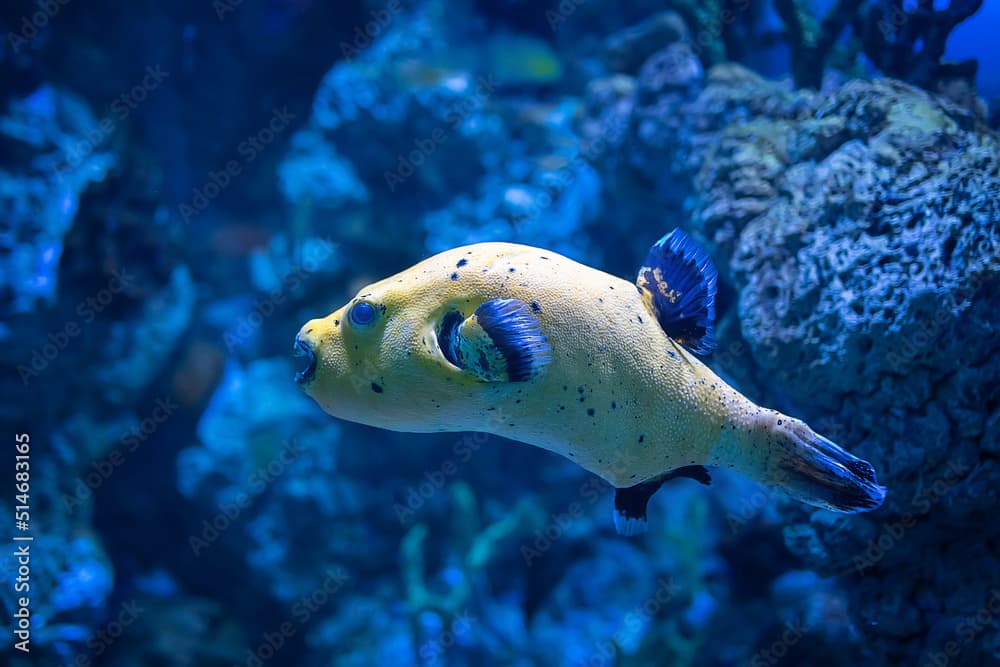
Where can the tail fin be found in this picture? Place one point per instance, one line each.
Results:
(812, 469)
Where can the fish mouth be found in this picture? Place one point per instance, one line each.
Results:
(302, 349)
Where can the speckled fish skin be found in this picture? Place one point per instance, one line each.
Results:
(620, 398)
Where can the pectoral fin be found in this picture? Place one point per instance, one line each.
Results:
(500, 342)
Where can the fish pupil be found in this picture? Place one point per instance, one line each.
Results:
(362, 313)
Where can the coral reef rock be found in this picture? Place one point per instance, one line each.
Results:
(859, 231)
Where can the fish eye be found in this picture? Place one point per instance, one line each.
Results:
(362, 314)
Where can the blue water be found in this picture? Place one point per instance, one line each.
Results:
(184, 185)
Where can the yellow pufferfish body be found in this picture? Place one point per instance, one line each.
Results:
(527, 344)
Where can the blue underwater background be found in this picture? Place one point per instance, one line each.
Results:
(183, 184)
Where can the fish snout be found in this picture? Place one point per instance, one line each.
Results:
(303, 348)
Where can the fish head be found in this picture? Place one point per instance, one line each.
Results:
(377, 360)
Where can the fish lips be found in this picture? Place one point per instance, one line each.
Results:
(303, 349)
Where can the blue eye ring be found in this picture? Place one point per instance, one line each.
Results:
(362, 314)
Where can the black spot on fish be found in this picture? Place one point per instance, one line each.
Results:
(590, 412)
(535, 307)
(583, 398)
(600, 300)
(511, 270)
(543, 257)
(614, 406)
(565, 388)
(580, 389)
(611, 286)
(641, 438)
(518, 400)
(671, 355)
(462, 262)
(639, 317)
(377, 388)
(336, 323)
(454, 276)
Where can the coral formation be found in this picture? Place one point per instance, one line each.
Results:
(56, 150)
(858, 232)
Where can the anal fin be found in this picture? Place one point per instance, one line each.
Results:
(631, 502)
(630, 507)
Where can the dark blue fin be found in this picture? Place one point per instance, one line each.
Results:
(630, 502)
(630, 507)
(678, 284)
(814, 470)
(500, 342)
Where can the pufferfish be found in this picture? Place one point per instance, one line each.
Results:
(524, 343)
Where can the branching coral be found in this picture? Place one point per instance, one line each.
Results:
(904, 44)
(909, 45)
(476, 544)
(812, 42)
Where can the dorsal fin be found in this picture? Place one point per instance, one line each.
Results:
(678, 284)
